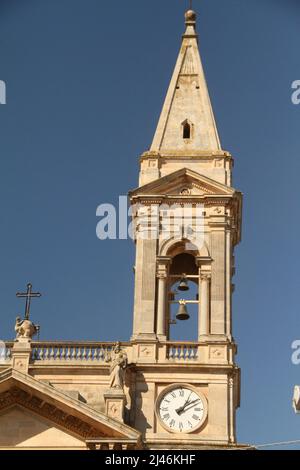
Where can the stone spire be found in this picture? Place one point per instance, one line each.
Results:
(187, 121)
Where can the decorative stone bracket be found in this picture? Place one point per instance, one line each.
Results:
(21, 353)
(115, 400)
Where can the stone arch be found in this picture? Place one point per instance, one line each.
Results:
(187, 129)
(174, 246)
(204, 251)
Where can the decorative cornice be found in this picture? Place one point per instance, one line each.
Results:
(16, 395)
(59, 407)
(194, 154)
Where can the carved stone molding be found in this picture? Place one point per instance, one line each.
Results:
(205, 277)
(162, 275)
(163, 263)
(114, 444)
(47, 410)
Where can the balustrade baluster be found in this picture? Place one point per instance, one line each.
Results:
(90, 354)
(52, 354)
(68, 353)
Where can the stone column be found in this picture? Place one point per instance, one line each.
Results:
(162, 276)
(161, 305)
(204, 305)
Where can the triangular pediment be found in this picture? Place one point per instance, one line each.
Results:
(45, 404)
(21, 428)
(184, 182)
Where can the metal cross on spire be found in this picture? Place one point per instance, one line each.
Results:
(191, 4)
(28, 295)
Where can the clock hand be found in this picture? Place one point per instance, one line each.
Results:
(190, 407)
(188, 400)
(183, 408)
(185, 404)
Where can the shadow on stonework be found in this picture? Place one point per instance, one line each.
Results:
(134, 414)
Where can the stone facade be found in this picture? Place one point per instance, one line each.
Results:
(79, 378)
(63, 395)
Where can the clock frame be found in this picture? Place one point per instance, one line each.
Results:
(168, 390)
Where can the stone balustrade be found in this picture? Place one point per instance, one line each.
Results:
(71, 352)
(5, 352)
(185, 352)
(100, 353)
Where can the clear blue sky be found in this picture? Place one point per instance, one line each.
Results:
(85, 84)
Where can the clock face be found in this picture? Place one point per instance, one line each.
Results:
(180, 408)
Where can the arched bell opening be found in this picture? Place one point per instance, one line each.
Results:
(184, 263)
(183, 298)
(183, 325)
(183, 292)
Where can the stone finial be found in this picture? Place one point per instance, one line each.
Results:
(190, 17)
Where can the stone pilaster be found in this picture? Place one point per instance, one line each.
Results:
(218, 283)
(145, 282)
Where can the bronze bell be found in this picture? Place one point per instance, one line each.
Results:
(182, 314)
(183, 286)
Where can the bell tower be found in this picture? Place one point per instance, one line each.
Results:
(175, 385)
(187, 222)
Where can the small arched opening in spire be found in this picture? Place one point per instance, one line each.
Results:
(186, 131)
(187, 128)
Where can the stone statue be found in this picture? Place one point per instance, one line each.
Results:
(25, 328)
(118, 368)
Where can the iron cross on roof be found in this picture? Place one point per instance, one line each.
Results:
(28, 295)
